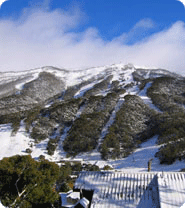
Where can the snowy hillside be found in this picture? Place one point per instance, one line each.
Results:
(112, 115)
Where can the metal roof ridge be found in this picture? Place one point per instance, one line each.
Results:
(144, 172)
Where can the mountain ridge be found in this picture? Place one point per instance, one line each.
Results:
(109, 111)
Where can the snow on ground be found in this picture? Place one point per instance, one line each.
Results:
(145, 67)
(128, 76)
(138, 160)
(147, 75)
(77, 76)
(20, 86)
(143, 95)
(81, 92)
(183, 206)
(118, 71)
(59, 152)
(12, 145)
(124, 76)
(94, 157)
(80, 110)
(40, 149)
(49, 104)
(110, 122)
(133, 90)
(13, 76)
(71, 77)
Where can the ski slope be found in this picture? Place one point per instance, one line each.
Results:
(136, 162)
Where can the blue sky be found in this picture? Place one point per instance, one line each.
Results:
(110, 17)
(85, 33)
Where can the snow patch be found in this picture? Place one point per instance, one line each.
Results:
(138, 160)
(20, 86)
(146, 99)
(12, 145)
(84, 89)
(110, 122)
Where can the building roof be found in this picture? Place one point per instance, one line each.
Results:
(74, 195)
(84, 202)
(70, 194)
(171, 189)
(118, 189)
(183, 206)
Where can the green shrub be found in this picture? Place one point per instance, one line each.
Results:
(29, 151)
(52, 145)
(31, 115)
(171, 152)
(133, 124)
(84, 134)
(107, 167)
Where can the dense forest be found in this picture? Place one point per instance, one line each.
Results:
(26, 183)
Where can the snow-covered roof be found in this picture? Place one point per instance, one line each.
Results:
(118, 189)
(171, 189)
(84, 202)
(183, 206)
(65, 203)
(74, 195)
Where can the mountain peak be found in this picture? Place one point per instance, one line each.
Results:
(103, 112)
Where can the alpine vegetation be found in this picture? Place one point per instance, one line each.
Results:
(111, 110)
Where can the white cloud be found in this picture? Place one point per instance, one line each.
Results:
(138, 32)
(183, 2)
(1, 2)
(41, 38)
(144, 23)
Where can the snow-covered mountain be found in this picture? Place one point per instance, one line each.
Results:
(118, 115)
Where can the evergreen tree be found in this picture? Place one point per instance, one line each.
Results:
(25, 182)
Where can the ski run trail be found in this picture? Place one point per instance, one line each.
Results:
(136, 162)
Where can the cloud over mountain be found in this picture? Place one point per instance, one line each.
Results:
(42, 37)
